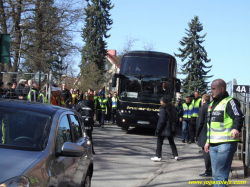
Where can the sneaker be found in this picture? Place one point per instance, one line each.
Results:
(183, 141)
(156, 159)
(176, 158)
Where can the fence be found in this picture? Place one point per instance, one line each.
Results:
(44, 79)
(243, 151)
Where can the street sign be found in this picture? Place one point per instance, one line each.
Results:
(240, 89)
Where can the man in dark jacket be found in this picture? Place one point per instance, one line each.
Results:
(86, 108)
(201, 134)
(20, 91)
(164, 128)
(66, 96)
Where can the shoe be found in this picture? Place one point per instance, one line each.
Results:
(189, 142)
(156, 159)
(183, 141)
(205, 175)
(102, 126)
(93, 152)
(176, 158)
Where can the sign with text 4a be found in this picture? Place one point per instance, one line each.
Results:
(241, 89)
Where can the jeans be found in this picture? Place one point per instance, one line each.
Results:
(185, 133)
(160, 140)
(221, 158)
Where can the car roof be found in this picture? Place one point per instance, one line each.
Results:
(33, 106)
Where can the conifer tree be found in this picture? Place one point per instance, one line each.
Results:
(97, 22)
(194, 68)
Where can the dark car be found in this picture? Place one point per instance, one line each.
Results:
(43, 145)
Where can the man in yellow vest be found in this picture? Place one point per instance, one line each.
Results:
(196, 104)
(103, 107)
(224, 123)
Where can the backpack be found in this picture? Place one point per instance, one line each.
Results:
(172, 120)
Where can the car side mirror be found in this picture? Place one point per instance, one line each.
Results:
(72, 150)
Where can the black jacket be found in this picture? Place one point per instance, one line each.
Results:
(66, 96)
(163, 128)
(21, 91)
(201, 125)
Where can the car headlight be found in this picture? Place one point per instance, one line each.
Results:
(17, 181)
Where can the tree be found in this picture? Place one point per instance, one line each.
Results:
(97, 22)
(196, 55)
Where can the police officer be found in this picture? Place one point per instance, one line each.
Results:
(33, 93)
(114, 107)
(103, 107)
(224, 123)
(196, 104)
(185, 114)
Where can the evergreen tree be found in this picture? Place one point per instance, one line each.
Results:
(196, 55)
(97, 22)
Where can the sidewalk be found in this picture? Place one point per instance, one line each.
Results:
(185, 172)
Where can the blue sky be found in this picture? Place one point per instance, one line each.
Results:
(162, 23)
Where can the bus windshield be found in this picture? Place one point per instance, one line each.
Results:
(145, 88)
(144, 65)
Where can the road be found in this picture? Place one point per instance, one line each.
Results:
(123, 159)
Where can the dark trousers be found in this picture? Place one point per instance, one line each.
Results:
(113, 113)
(192, 128)
(207, 160)
(108, 115)
(89, 133)
(102, 118)
(160, 140)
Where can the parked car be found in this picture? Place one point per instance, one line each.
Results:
(43, 145)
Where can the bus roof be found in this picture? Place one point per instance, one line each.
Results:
(147, 53)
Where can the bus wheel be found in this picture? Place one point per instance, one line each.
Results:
(125, 128)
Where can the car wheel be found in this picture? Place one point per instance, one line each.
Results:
(87, 181)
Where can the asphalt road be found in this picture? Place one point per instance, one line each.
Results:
(123, 159)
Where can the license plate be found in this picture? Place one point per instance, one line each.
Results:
(143, 122)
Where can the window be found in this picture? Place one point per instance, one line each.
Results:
(75, 125)
(63, 133)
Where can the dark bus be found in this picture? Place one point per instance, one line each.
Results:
(142, 76)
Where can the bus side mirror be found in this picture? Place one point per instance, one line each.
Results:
(114, 81)
(177, 85)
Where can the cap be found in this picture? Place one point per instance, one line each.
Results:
(22, 80)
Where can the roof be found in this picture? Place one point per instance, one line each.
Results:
(27, 105)
(113, 59)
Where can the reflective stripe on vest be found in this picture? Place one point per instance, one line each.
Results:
(195, 107)
(34, 95)
(221, 124)
(42, 98)
(103, 104)
(114, 102)
(186, 110)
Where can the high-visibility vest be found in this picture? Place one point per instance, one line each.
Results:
(42, 98)
(73, 99)
(195, 107)
(219, 124)
(34, 93)
(103, 103)
(187, 109)
(114, 102)
(95, 101)
(54, 101)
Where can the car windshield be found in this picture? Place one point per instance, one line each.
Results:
(23, 129)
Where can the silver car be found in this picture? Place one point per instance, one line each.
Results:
(43, 145)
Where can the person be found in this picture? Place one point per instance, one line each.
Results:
(102, 107)
(42, 97)
(59, 98)
(109, 107)
(13, 88)
(29, 87)
(67, 97)
(164, 89)
(74, 98)
(196, 104)
(178, 110)
(185, 114)
(20, 91)
(224, 123)
(86, 108)
(8, 92)
(201, 133)
(164, 129)
(114, 100)
(33, 93)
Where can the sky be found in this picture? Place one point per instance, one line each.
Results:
(162, 24)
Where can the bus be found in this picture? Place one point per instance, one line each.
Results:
(144, 77)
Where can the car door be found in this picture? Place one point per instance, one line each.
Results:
(82, 163)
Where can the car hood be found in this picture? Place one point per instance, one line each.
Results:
(14, 162)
